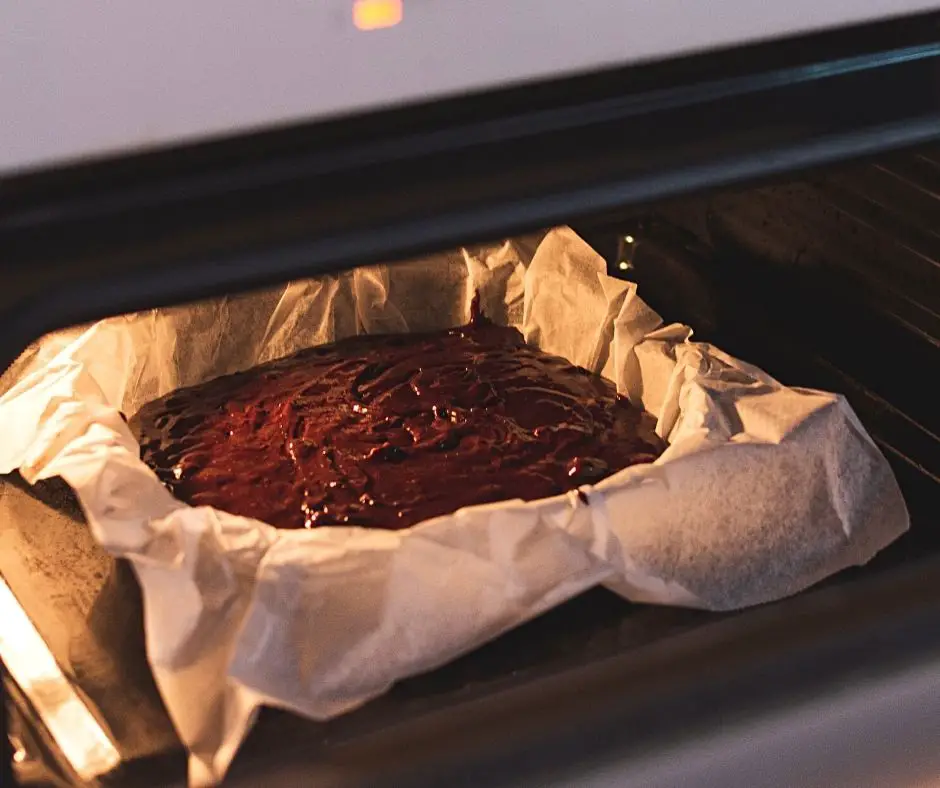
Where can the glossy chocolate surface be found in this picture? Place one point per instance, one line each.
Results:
(387, 431)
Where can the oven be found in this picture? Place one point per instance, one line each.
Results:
(781, 197)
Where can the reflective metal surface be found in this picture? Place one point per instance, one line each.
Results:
(81, 739)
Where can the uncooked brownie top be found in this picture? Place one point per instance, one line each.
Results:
(387, 431)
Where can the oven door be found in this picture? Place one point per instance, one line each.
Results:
(838, 686)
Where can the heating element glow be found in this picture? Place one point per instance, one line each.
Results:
(377, 14)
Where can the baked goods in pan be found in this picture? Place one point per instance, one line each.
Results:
(387, 431)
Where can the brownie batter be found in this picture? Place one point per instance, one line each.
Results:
(387, 431)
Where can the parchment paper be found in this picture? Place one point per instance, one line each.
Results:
(763, 490)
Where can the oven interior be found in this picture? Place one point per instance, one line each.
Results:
(829, 280)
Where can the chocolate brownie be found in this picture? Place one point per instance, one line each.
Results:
(387, 431)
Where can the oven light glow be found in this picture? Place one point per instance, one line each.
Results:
(376, 14)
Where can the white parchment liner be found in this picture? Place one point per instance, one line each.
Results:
(763, 491)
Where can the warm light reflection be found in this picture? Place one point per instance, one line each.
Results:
(84, 744)
(376, 14)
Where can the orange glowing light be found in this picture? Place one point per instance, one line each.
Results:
(376, 14)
